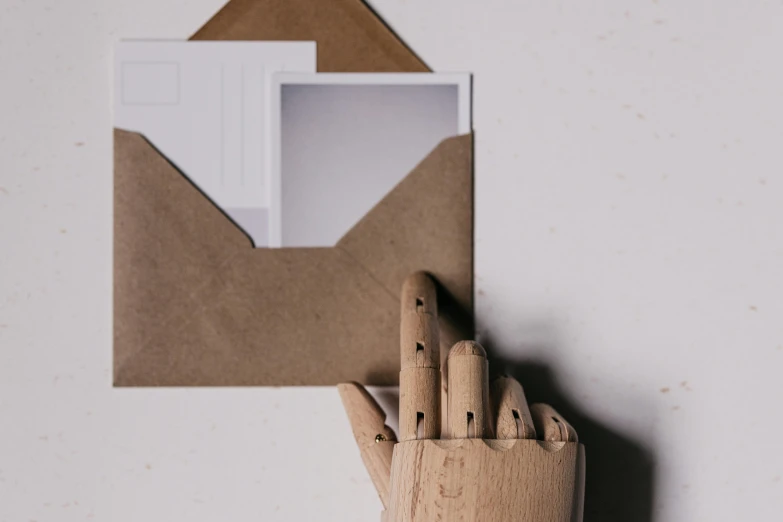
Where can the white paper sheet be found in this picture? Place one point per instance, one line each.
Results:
(205, 106)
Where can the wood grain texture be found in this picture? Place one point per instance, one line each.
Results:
(419, 359)
(467, 476)
(419, 331)
(550, 425)
(419, 294)
(468, 392)
(419, 342)
(375, 439)
(512, 415)
(419, 403)
(473, 480)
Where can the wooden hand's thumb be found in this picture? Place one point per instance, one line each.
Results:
(374, 438)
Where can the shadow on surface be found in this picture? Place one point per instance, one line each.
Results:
(619, 483)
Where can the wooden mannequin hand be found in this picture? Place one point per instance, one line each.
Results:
(484, 457)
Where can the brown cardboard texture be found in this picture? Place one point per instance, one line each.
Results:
(196, 305)
(350, 37)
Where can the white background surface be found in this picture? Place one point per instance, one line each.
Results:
(629, 199)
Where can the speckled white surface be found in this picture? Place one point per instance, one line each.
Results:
(628, 254)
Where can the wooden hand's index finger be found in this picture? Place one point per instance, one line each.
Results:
(420, 359)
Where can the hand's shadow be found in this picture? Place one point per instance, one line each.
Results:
(619, 473)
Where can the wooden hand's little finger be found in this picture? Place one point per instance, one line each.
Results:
(550, 425)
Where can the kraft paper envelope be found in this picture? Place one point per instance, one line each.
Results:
(196, 305)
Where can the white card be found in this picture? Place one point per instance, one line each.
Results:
(342, 141)
(205, 106)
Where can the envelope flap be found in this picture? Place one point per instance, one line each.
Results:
(349, 35)
(167, 237)
(424, 223)
(154, 199)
